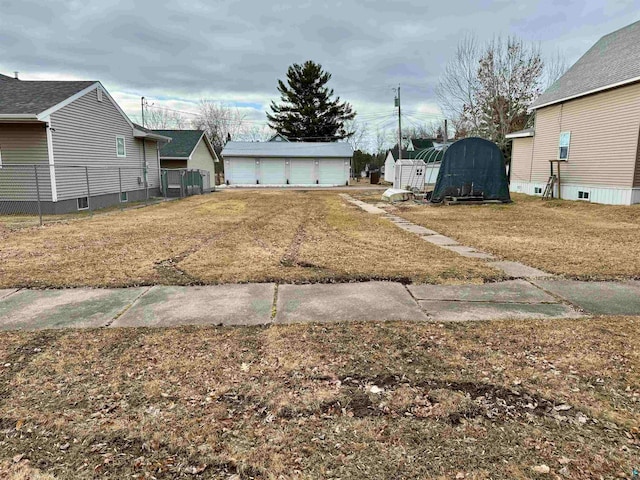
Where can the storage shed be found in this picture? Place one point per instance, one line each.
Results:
(473, 169)
(409, 174)
(280, 164)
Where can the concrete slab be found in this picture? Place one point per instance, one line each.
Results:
(369, 208)
(440, 240)
(417, 229)
(519, 270)
(468, 311)
(5, 292)
(600, 298)
(244, 304)
(512, 291)
(468, 252)
(73, 308)
(379, 301)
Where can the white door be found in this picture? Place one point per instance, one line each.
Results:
(243, 171)
(302, 172)
(272, 171)
(331, 171)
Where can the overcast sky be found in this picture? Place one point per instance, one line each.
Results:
(177, 52)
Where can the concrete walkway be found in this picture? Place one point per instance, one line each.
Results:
(512, 269)
(256, 304)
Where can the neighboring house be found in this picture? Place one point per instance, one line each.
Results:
(278, 137)
(63, 127)
(190, 149)
(589, 120)
(281, 163)
(413, 147)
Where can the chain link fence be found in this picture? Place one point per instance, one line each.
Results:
(36, 193)
(41, 192)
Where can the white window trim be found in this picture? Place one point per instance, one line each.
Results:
(568, 145)
(124, 145)
(126, 197)
(99, 93)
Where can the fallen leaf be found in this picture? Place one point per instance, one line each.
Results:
(543, 469)
(64, 447)
(562, 408)
(196, 469)
(375, 389)
(18, 457)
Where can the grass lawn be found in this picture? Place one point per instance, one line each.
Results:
(487, 400)
(240, 236)
(576, 239)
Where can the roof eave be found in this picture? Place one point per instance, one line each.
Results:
(147, 135)
(589, 92)
(19, 117)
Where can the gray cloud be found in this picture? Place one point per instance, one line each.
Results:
(237, 49)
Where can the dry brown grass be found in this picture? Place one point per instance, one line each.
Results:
(576, 239)
(296, 401)
(284, 236)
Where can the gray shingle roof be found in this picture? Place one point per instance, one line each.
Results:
(182, 144)
(614, 59)
(288, 149)
(34, 97)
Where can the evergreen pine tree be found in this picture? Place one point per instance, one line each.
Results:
(307, 111)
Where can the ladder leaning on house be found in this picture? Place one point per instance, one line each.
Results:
(548, 190)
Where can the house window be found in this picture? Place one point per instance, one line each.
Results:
(537, 190)
(99, 90)
(83, 203)
(121, 150)
(583, 195)
(563, 148)
(124, 197)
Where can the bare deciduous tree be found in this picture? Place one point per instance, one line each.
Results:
(160, 118)
(459, 81)
(487, 89)
(256, 133)
(358, 133)
(219, 120)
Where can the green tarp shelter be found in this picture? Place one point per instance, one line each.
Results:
(472, 168)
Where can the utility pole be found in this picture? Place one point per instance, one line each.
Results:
(445, 135)
(142, 108)
(399, 124)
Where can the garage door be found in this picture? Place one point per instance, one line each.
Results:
(302, 172)
(272, 172)
(331, 172)
(243, 171)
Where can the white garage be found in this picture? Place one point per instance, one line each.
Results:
(285, 163)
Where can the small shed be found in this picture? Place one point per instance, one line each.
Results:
(409, 174)
(473, 169)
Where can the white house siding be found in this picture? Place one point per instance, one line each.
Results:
(604, 138)
(24, 145)
(85, 135)
(201, 158)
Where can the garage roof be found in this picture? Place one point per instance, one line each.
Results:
(288, 149)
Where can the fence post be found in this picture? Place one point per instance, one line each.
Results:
(120, 186)
(35, 170)
(86, 173)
